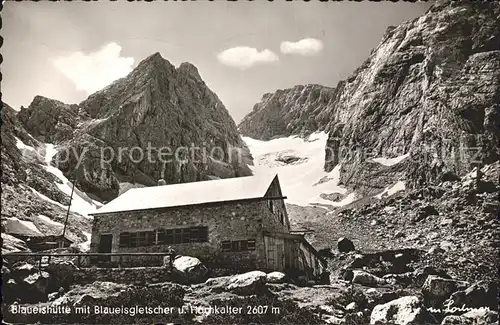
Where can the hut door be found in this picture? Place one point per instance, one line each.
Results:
(270, 252)
(105, 246)
(280, 257)
(275, 253)
(291, 254)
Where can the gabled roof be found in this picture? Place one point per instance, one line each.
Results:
(185, 194)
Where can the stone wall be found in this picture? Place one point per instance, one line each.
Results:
(137, 275)
(233, 221)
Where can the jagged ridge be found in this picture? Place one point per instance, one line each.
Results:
(156, 106)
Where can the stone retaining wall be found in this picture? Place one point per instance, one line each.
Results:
(136, 275)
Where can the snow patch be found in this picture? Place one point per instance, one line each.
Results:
(20, 145)
(85, 246)
(28, 224)
(49, 221)
(399, 186)
(304, 182)
(50, 152)
(390, 161)
(80, 203)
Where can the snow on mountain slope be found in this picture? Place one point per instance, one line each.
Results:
(85, 246)
(399, 186)
(390, 161)
(299, 164)
(81, 203)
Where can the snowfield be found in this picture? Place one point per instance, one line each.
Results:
(390, 161)
(21, 146)
(399, 186)
(81, 203)
(299, 164)
(49, 221)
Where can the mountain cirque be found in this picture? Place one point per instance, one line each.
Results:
(156, 106)
(431, 85)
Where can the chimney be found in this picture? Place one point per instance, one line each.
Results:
(161, 182)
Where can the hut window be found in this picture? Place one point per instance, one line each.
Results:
(198, 234)
(161, 237)
(177, 236)
(251, 244)
(226, 245)
(150, 238)
(124, 239)
(169, 236)
(164, 237)
(238, 245)
(141, 239)
(132, 241)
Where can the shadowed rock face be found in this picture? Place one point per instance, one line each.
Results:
(297, 110)
(431, 81)
(23, 176)
(50, 120)
(157, 108)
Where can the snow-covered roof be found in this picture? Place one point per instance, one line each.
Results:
(184, 194)
(15, 226)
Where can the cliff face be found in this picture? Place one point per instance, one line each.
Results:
(158, 122)
(298, 110)
(29, 189)
(428, 89)
(50, 120)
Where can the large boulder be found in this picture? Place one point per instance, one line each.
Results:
(473, 317)
(250, 283)
(344, 245)
(275, 277)
(10, 290)
(27, 284)
(367, 279)
(62, 273)
(479, 295)
(23, 269)
(402, 311)
(456, 320)
(35, 287)
(436, 289)
(190, 269)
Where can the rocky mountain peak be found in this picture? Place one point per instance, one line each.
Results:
(153, 62)
(190, 70)
(157, 106)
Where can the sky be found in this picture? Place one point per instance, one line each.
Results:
(68, 50)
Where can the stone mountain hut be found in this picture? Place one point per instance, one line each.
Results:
(236, 224)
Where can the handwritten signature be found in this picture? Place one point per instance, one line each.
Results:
(450, 310)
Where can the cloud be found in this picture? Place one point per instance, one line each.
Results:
(94, 71)
(306, 46)
(243, 57)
